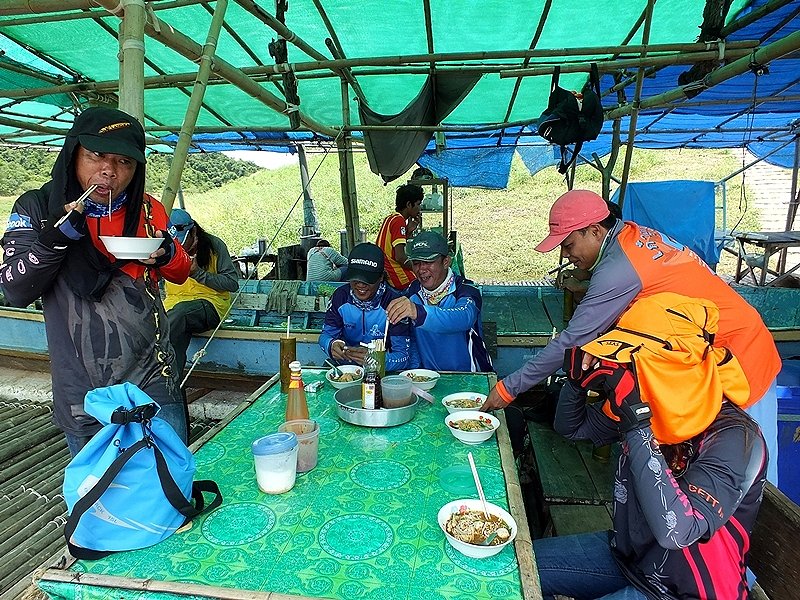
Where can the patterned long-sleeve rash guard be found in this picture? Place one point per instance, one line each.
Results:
(682, 513)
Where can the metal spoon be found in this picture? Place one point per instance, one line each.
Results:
(336, 371)
(489, 539)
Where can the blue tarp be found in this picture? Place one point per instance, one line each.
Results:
(684, 210)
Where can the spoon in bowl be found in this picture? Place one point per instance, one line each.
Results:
(336, 370)
(478, 484)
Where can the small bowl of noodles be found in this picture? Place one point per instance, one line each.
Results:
(463, 401)
(467, 529)
(349, 375)
(424, 379)
(471, 426)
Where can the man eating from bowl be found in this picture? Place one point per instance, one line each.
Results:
(104, 317)
(357, 313)
(444, 310)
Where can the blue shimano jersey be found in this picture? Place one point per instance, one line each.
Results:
(354, 324)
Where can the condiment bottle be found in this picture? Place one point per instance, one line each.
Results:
(296, 407)
(371, 396)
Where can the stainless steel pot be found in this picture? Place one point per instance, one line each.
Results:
(348, 407)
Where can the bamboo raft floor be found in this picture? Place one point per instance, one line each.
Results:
(33, 456)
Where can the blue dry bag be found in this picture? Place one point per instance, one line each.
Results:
(131, 486)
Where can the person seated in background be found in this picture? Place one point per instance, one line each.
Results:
(204, 299)
(395, 231)
(325, 264)
(693, 465)
(357, 313)
(444, 310)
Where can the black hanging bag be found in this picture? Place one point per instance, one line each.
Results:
(572, 118)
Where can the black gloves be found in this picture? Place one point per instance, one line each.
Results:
(67, 230)
(615, 382)
(573, 360)
(169, 250)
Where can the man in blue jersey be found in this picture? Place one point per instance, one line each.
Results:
(357, 313)
(444, 310)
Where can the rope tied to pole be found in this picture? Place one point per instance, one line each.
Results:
(202, 351)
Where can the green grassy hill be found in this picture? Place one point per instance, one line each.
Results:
(497, 228)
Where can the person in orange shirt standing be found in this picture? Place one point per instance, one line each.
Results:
(629, 261)
(395, 230)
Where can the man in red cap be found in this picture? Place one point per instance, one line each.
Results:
(629, 261)
(104, 317)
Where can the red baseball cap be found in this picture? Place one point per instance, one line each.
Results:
(573, 211)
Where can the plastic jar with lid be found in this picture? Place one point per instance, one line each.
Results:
(275, 457)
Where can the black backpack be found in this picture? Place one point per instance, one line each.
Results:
(567, 120)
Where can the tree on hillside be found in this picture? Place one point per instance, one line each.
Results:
(29, 168)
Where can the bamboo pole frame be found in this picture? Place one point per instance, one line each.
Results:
(131, 68)
(27, 7)
(532, 46)
(177, 41)
(762, 55)
(488, 55)
(181, 79)
(523, 544)
(626, 167)
(792, 210)
(193, 110)
(605, 66)
(280, 28)
(347, 177)
(336, 50)
(86, 13)
(752, 17)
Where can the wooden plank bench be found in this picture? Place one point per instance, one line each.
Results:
(576, 489)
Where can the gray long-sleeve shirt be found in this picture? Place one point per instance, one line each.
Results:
(613, 286)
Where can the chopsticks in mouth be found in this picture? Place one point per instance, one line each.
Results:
(559, 267)
(86, 194)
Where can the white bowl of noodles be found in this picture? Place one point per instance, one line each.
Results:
(466, 528)
(424, 379)
(350, 375)
(463, 401)
(472, 426)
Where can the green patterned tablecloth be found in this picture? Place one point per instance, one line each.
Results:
(362, 524)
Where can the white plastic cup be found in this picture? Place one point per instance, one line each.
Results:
(275, 457)
(307, 432)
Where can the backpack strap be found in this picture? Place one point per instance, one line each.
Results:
(175, 495)
(565, 164)
(552, 100)
(171, 490)
(594, 79)
(93, 495)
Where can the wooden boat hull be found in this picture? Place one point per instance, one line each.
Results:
(518, 321)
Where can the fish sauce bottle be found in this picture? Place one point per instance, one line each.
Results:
(371, 396)
(296, 407)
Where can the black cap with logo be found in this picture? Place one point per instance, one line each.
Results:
(365, 263)
(110, 131)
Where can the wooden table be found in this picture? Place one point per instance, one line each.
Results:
(362, 524)
(769, 243)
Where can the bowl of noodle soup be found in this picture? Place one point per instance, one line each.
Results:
(350, 375)
(471, 426)
(465, 526)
